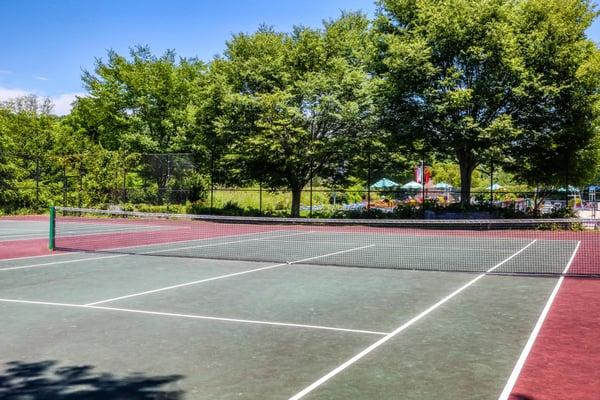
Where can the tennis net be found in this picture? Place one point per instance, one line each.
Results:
(529, 247)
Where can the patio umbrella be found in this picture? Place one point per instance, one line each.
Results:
(443, 186)
(384, 183)
(571, 189)
(495, 186)
(412, 185)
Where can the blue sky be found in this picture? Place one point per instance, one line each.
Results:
(47, 43)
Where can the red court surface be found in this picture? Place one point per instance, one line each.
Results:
(24, 248)
(564, 362)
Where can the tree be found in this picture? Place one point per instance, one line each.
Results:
(298, 101)
(450, 70)
(144, 103)
(559, 138)
(28, 133)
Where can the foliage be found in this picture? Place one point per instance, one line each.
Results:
(559, 139)
(141, 104)
(473, 87)
(477, 80)
(300, 98)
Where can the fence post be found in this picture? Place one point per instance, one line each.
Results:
(369, 179)
(167, 191)
(65, 184)
(492, 183)
(37, 181)
(80, 186)
(260, 184)
(124, 191)
(423, 194)
(212, 179)
(310, 212)
(567, 180)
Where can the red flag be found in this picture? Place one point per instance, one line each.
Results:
(427, 175)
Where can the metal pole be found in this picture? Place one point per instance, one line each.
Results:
(167, 181)
(492, 184)
(80, 186)
(567, 181)
(369, 179)
(65, 184)
(423, 186)
(260, 196)
(37, 182)
(310, 213)
(212, 180)
(124, 196)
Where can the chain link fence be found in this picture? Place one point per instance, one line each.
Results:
(372, 185)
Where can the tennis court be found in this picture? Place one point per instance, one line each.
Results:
(205, 309)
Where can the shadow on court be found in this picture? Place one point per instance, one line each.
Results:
(48, 380)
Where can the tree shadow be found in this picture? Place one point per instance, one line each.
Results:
(48, 380)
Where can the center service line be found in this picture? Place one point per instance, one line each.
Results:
(227, 276)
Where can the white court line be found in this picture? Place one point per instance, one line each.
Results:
(512, 380)
(51, 254)
(400, 329)
(194, 316)
(226, 276)
(61, 262)
(23, 236)
(127, 255)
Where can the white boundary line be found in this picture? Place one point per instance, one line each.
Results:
(398, 330)
(512, 380)
(194, 316)
(61, 262)
(49, 255)
(127, 255)
(224, 276)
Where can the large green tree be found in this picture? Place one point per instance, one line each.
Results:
(143, 104)
(298, 102)
(558, 142)
(474, 79)
(449, 71)
(140, 103)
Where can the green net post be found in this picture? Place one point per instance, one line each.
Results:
(52, 235)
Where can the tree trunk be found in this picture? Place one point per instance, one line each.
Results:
(467, 164)
(296, 194)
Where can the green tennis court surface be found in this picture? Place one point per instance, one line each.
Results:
(294, 325)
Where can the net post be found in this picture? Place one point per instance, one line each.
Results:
(52, 233)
